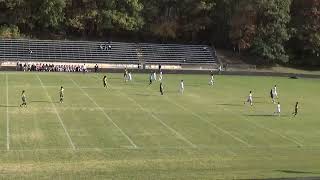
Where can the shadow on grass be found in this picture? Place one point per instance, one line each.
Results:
(230, 104)
(145, 95)
(296, 172)
(44, 102)
(265, 115)
(9, 106)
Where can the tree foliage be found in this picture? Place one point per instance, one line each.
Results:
(275, 30)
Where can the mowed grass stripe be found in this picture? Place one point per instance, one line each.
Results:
(7, 109)
(105, 114)
(179, 135)
(58, 115)
(259, 125)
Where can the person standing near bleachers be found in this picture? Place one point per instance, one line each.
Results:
(96, 67)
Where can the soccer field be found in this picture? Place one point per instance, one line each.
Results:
(130, 131)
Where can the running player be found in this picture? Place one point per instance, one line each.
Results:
(211, 82)
(160, 76)
(249, 100)
(24, 99)
(181, 86)
(272, 97)
(104, 81)
(278, 110)
(61, 94)
(161, 88)
(154, 76)
(275, 93)
(125, 75)
(296, 109)
(150, 78)
(129, 76)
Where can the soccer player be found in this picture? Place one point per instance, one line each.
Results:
(161, 88)
(125, 75)
(150, 78)
(160, 76)
(275, 93)
(129, 76)
(104, 80)
(296, 109)
(249, 100)
(24, 99)
(278, 110)
(272, 97)
(181, 86)
(211, 82)
(154, 76)
(61, 94)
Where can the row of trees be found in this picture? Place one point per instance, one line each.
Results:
(273, 30)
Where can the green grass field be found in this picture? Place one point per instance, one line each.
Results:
(130, 131)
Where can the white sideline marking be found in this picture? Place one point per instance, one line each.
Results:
(209, 122)
(106, 115)
(8, 132)
(94, 149)
(56, 111)
(69, 87)
(268, 129)
(180, 136)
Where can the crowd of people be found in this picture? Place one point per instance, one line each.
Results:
(51, 67)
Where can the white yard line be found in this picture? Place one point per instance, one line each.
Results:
(8, 129)
(210, 122)
(58, 115)
(106, 115)
(270, 130)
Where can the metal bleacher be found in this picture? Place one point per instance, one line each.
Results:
(96, 52)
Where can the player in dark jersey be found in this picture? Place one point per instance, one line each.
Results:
(61, 92)
(24, 99)
(161, 88)
(104, 81)
(296, 109)
(272, 97)
(150, 78)
(125, 75)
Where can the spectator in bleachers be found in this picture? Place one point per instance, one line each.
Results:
(50, 67)
(109, 46)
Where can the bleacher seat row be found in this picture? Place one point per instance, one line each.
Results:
(104, 52)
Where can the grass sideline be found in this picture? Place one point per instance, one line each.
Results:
(130, 131)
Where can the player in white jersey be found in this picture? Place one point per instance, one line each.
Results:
(181, 86)
(160, 76)
(278, 109)
(249, 100)
(129, 76)
(275, 93)
(211, 82)
(154, 76)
